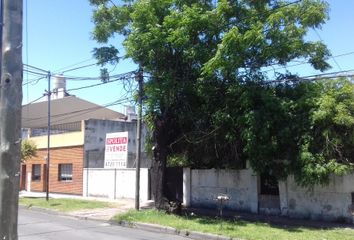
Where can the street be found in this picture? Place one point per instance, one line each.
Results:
(34, 225)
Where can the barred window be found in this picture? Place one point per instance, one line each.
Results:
(65, 172)
(36, 172)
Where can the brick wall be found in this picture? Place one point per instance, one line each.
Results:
(63, 155)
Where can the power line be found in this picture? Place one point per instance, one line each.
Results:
(332, 74)
(92, 64)
(80, 78)
(93, 110)
(335, 61)
(75, 64)
(37, 73)
(120, 77)
(302, 63)
(315, 77)
(35, 100)
(79, 112)
(36, 68)
(35, 81)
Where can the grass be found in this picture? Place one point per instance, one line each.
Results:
(236, 228)
(63, 204)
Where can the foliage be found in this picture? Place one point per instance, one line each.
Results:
(28, 150)
(234, 228)
(207, 94)
(328, 146)
(305, 129)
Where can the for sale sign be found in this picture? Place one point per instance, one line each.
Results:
(116, 152)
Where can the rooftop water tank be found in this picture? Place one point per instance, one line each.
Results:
(59, 88)
(59, 82)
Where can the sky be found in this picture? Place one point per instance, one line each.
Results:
(57, 37)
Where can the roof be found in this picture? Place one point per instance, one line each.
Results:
(64, 110)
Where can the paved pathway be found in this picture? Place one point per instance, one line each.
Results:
(121, 205)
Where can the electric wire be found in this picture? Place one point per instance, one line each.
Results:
(302, 63)
(34, 81)
(69, 116)
(73, 65)
(37, 73)
(335, 61)
(35, 68)
(35, 100)
(78, 112)
(119, 77)
(90, 65)
(315, 77)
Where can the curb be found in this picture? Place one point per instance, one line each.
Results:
(138, 225)
(57, 213)
(43, 210)
(173, 231)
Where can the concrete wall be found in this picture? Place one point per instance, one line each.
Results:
(206, 185)
(95, 136)
(114, 183)
(332, 202)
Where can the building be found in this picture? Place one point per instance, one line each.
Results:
(77, 140)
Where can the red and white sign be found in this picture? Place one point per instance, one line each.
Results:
(116, 152)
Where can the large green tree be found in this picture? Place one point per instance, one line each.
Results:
(201, 57)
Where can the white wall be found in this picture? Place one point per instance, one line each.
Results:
(95, 137)
(206, 185)
(114, 183)
(330, 202)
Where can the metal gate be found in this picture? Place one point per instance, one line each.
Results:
(174, 184)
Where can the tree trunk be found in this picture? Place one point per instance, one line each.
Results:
(10, 118)
(159, 165)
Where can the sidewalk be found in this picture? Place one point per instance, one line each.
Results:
(282, 221)
(121, 205)
(124, 204)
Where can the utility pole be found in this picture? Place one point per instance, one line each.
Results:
(49, 93)
(140, 79)
(10, 116)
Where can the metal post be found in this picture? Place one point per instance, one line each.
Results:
(140, 79)
(48, 139)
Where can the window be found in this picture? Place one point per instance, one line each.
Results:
(36, 172)
(65, 172)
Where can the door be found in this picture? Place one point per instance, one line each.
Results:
(44, 180)
(269, 201)
(23, 177)
(174, 184)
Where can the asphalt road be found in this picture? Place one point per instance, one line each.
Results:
(35, 225)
